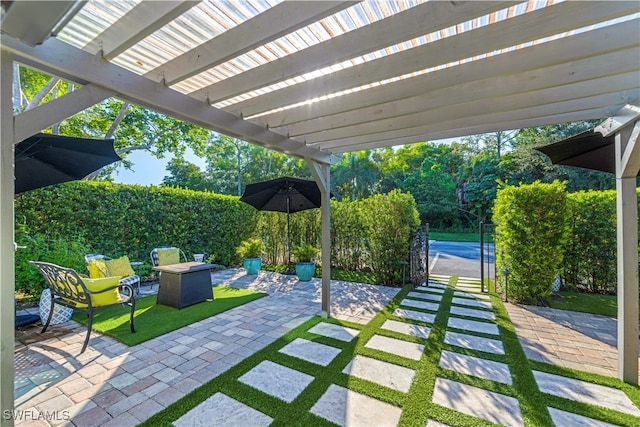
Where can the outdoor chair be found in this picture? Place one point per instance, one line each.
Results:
(88, 295)
(166, 255)
(100, 266)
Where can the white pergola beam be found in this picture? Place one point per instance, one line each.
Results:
(33, 29)
(46, 115)
(626, 115)
(7, 257)
(144, 19)
(462, 130)
(58, 56)
(630, 161)
(415, 22)
(488, 111)
(462, 101)
(555, 63)
(278, 21)
(504, 34)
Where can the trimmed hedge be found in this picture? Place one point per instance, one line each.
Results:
(116, 219)
(531, 232)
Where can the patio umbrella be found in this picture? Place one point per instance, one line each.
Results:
(283, 195)
(589, 150)
(43, 159)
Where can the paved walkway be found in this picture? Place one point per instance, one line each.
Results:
(112, 384)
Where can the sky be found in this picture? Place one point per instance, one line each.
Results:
(148, 170)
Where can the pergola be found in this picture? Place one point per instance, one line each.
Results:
(319, 78)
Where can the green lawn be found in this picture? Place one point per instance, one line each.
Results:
(606, 305)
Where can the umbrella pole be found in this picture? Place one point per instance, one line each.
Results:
(288, 236)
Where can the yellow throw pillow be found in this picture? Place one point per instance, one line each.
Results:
(168, 256)
(119, 267)
(97, 269)
(105, 298)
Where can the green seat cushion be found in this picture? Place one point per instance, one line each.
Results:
(119, 267)
(168, 256)
(105, 298)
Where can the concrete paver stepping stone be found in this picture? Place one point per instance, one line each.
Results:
(432, 423)
(472, 303)
(398, 347)
(432, 289)
(474, 326)
(424, 295)
(439, 285)
(337, 332)
(463, 294)
(425, 305)
(475, 366)
(349, 408)
(477, 402)
(276, 380)
(379, 372)
(474, 342)
(414, 315)
(310, 351)
(220, 409)
(582, 391)
(563, 418)
(470, 312)
(406, 328)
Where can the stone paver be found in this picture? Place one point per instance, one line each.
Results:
(563, 418)
(470, 312)
(337, 332)
(474, 342)
(472, 303)
(475, 366)
(393, 346)
(349, 408)
(220, 410)
(406, 328)
(425, 296)
(379, 372)
(488, 405)
(472, 325)
(277, 380)
(582, 391)
(432, 289)
(414, 315)
(463, 294)
(310, 351)
(420, 304)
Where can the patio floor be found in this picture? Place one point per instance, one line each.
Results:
(112, 384)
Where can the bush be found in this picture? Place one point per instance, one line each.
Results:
(304, 252)
(251, 248)
(531, 231)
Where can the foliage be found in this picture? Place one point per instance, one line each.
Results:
(590, 254)
(304, 252)
(184, 174)
(355, 176)
(531, 231)
(129, 220)
(51, 248)
(251, 248)
(389, 220)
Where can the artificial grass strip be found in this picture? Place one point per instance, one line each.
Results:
(152, 320)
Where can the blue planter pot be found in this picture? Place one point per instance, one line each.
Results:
(252, 265)
(305, 270)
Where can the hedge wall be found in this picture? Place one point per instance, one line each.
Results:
(531, 232)
(61, 224)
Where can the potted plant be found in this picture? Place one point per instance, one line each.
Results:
(251, 250)
(304, 255)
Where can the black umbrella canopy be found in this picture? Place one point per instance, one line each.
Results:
(283, 195)
(44, 159)
(589, 150)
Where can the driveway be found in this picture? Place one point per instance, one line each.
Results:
(459, 258)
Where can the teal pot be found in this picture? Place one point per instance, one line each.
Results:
(305, 270)
(252, 265)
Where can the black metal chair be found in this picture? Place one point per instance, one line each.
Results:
(69, 289)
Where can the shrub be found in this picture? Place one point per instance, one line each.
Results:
(304, 252)
(251, 248)
(531, 231)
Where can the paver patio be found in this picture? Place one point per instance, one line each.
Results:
(111, 384)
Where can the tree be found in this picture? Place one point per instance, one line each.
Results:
(355, 176)
(186, 175)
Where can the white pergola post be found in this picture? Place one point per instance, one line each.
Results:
(7, 270)
(321, 174)
(627, 148)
